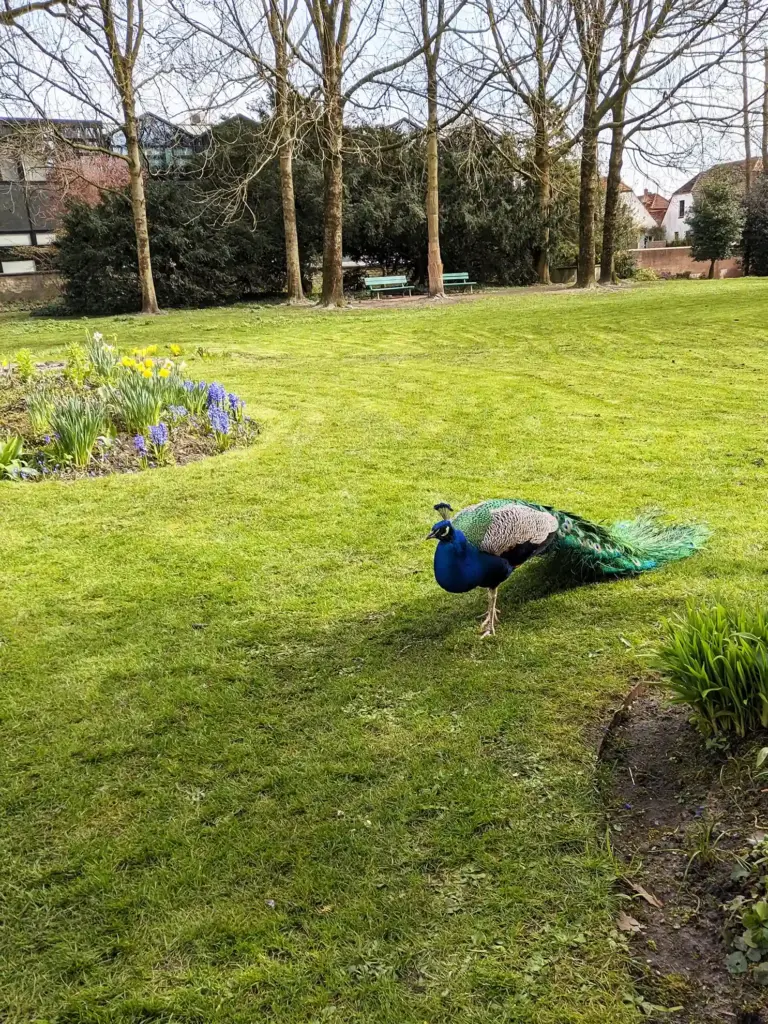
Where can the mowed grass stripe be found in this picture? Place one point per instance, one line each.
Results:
(255, 764)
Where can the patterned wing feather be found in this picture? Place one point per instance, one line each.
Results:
(500, 525)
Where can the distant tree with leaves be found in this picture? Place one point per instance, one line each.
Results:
(756, 227)
(715, 221)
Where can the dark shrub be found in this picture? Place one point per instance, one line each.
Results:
(197, 260)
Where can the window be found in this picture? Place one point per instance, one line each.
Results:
(677, 236)
(681, 212)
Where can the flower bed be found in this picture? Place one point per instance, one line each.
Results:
(100, 411)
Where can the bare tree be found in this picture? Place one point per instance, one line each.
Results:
(9, 14)
(623, 44)
(254, 37)
(537, 66)
(279, 17)
(81, 53)
(764, 147)
(746, 128)
(432, 40)
(347, 37)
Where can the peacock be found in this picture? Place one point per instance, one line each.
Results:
(482, 545)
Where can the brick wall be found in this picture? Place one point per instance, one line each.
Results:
(29, 288)
(677, 260)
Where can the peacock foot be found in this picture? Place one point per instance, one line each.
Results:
(488, 625)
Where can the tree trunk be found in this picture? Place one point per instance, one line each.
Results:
(745, 256)
(282, 108)
(434, 261)
(711, 273)
(333, 274)
(543, 188)
(745, 116)
(612, 196)
(139, 210)
(585, 271)
(292, 260)
(765, 111)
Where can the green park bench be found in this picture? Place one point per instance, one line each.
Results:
(459, 280)
(380, 285)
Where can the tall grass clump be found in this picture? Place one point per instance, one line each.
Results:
(194, 396)
(40, 407)
(103, 358)
(137, 401)
(715, 660)
(138, 398)
(77, 424)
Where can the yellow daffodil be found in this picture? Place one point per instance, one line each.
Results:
(175, 350)
(127, 361)
(149, 363)
(147, 374)
(152, 350)
(165, 372)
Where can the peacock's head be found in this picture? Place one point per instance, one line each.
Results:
(441, 531)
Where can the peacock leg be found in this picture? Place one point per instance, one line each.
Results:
(488, 625)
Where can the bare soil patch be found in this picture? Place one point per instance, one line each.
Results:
(679, 814)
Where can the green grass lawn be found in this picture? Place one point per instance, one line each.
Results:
(256, 766)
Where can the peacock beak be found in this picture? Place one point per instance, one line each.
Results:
(431, 535)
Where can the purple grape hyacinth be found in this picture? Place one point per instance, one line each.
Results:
(219, 420)
(158, 435)
(140, 444)
(235, 403)
(216, 394)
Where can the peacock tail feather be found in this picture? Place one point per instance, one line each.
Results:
(625, 548)
(587, 548)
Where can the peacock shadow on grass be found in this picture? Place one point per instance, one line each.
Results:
(438, 616)
(542, 578)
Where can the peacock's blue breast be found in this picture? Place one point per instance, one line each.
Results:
(462, 567)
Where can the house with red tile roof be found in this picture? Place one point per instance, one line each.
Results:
(675, 219)
(655, 203)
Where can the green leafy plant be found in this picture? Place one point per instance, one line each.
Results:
(25, 365)
(703, 845)
(137, 401)
(39, 409)
(716, 660)
(77, 424)
(624, 264)
(194, 397)
(77, 367)
(12, 464)
(749, 913)
(103, 358)
(645, 274)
